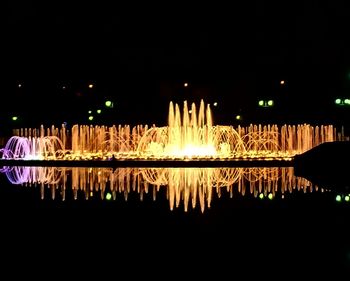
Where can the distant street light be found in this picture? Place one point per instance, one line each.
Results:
(342, 101)
(266, 103)
(109, 103)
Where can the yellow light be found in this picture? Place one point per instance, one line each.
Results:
(215, 104)
(90, 111)
(270, 103)
(238, 117)
(270, 196)
(91, 117)
(14, 118)
(98, 111)
(261, 103)
(261, 196)
(108, 103)
(108, 196)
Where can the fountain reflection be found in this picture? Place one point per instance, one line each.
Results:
(183, 186)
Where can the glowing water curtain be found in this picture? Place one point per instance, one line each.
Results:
(184, 186)
(190, 134)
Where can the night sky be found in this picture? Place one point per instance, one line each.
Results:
(143, 54)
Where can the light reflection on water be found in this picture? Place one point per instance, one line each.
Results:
(193, 187)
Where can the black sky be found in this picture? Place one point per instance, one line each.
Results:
(239, 51)
(99, 37)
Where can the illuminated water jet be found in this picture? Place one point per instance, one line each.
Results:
(190, 134)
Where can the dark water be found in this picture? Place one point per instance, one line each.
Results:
(300, 230)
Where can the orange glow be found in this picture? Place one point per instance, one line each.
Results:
(188, 187)
(190, 133)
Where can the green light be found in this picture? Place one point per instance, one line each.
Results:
(90, 111)
(338, 198)
(261, 103)
(108, 103)
(270, 103)
(270, 196)
(98, 111)
(238, 117)
(347, 198)
(337, 101)
(14, 118)
(261, 196)
(347, 101)
(91, 117)
(108, 196)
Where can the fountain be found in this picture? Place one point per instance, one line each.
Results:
(189, 135)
